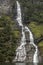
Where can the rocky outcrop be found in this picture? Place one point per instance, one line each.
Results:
(29, 49)
(6, 6)
(30, 52)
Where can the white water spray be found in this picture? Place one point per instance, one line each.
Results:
(21, 52)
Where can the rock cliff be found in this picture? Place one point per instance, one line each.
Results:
(6, 6)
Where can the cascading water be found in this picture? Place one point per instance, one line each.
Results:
(21, 52)
(35, 57)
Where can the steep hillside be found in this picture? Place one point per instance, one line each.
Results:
(10, 32)
(9, 38)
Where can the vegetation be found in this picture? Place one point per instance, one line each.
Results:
(33, 16)
(41, 44)
(9, 32)
(37, 30)
(8, 38)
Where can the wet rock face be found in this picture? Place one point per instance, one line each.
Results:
(5, 6)
(29, 49)
(30, 52)
(41, 54)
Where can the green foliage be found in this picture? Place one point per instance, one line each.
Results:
(40, 44)
(32, 13)
(16, 34)
(36, 29)
(8, 39)
(33, 16)
(32, 10)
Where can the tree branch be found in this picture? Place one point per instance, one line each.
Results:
(38, 40)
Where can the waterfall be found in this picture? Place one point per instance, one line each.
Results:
(35, 57)
(20, 51)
